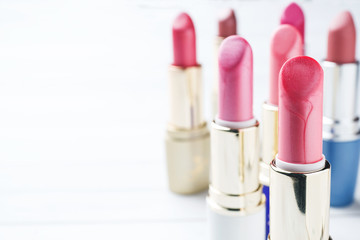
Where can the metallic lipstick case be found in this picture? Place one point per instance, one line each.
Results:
(300, 204)
(269, 146)
(341, 101)
(236, 203)
(187, 137)
(341, 131)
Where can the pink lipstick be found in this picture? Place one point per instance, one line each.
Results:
(294, 15)
(301, 96)
(187, 136)
(227, 23)
(236, 81)
(300, 175)
(184, 41)
(236, 204)
(285, 43)
(226, 28)
(342, 39)
(341, 117)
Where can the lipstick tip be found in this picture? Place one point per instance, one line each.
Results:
(226, 23)
(300, 111)
(286, 40)
(184, 41)
(182, 22)
(232, 51)
(342, 39)
(235, 80)
(301, 76)
(294, 15)
(285, 43)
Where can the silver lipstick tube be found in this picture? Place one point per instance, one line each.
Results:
(341, 128)
(341, 101)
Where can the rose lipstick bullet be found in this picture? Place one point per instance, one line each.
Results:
(236, 205)
(286, 43)
(187, 136)
(341, 102)
(226, 28)
(300, 175)
(294, 16)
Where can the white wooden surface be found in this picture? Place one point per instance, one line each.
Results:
(83, 111)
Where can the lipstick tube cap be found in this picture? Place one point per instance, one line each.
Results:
(188, 156)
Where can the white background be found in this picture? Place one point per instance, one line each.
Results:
(83, 109)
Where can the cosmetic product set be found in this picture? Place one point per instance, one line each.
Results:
(279, 186)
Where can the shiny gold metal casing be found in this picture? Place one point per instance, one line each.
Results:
(269, 146)
(299, 204)
(187, 137)
(234, 171)
(188, 154)
(186, 97)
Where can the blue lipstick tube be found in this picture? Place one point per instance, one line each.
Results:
(341, 135)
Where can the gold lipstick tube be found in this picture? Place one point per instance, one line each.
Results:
(235, 189)
(187, 137)
(269, 146)
(215, 91)
(299, 204)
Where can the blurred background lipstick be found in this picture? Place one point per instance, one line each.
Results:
(184, 41)
(342, 39)
(226, 23)
(285, 43)
(300, 175)
(227, 26)
(341, 102)
(236, 204)
(187, 138)
(294, 15)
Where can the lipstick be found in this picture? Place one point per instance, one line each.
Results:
(294, 16)
(226, 28)
(286, 43)
(187, 136)
(236, 205)
(341, 101)
(299, 174)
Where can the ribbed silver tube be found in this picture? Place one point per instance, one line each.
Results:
(341, 101)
